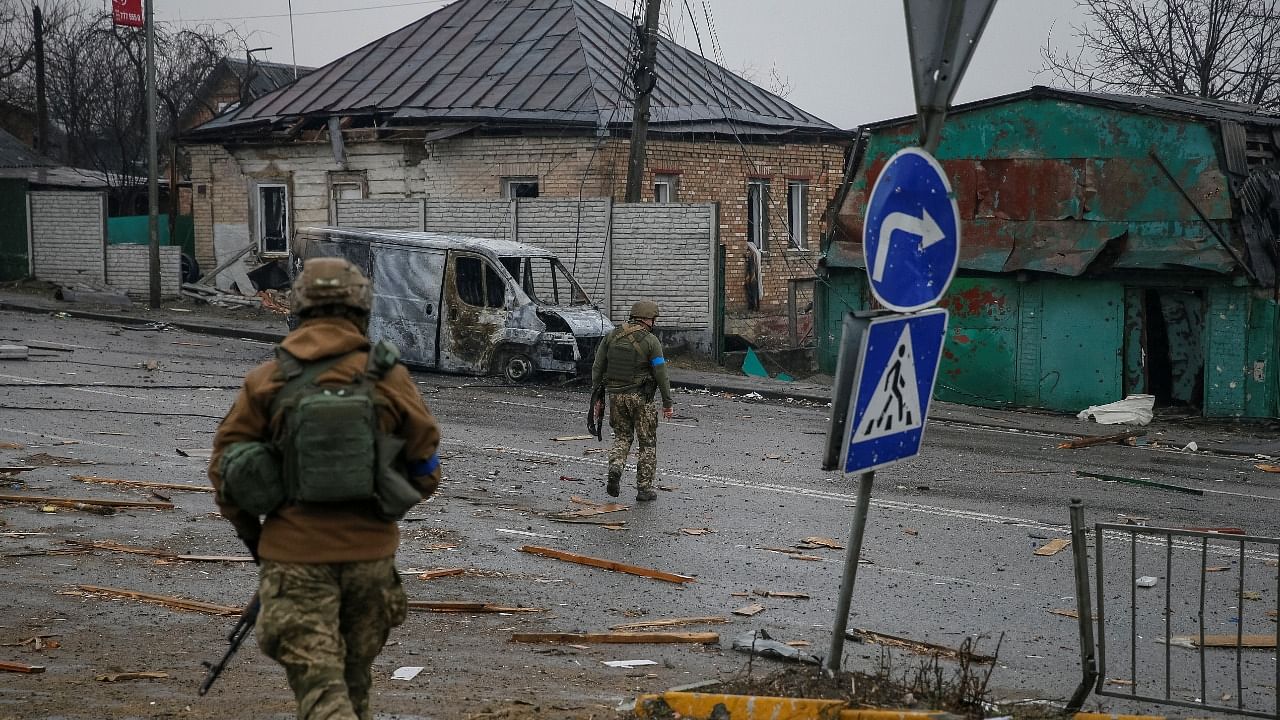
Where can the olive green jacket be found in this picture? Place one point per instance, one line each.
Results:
(653, 363)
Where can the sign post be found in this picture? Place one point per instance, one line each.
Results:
(911, 239)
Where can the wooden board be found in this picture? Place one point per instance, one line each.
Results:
(142, 483)
(1228, 640)
(1053, 547)
(20, 667)
(606, 564)
(166, 600)
(671, 622)
(749, 610)
(618, 637)
(72, 502)
(466, 606)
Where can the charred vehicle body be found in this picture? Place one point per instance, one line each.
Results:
(467, 304)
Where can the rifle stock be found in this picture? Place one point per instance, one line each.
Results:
(243, 627)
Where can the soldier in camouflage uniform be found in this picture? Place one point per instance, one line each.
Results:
(630, 367)
(329, 588)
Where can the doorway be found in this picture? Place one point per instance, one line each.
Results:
(1167, 325)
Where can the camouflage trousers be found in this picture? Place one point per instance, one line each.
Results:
(325, 624)
(631, 415)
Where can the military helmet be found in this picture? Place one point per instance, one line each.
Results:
(645, 309)
(331, 281)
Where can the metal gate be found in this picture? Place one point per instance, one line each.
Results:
(1196, 626)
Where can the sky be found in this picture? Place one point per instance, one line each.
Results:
(843, 60)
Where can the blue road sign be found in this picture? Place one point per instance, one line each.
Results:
(911, 233)
(898, 363)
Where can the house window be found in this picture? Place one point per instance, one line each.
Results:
(757, 213)
(273, 219)
(519, 187)
(797, 200)
(478, 284)
(666, 188)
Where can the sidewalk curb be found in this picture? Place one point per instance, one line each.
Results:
(1109, 716)
(703, 706)
(216, 330)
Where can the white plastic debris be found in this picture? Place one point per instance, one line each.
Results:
(1146, 581)
(1191, 446)
(406, 673)
(628, 663)
(1133, 410)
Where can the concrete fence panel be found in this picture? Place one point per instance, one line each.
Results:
(68, 236)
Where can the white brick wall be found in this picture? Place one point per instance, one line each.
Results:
(576, 232)
(129, 269)
(381, 214)
(482, 218)
(67, 236)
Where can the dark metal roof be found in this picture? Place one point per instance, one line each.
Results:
(1175, 105)
(522, 61)
(264, 76)
(15, 154)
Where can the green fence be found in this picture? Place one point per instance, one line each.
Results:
(133, 230)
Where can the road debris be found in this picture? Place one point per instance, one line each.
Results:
(696, 531)
(14, 352)
(606, 564)
(1191, 447)
(195, 452)
(1251, 595)
(1264, 467)
(749, 610)
(1228, 640)
(794, 554)
(97, 479)
(758, 642)
(628, 663)
(568, 478)
(568, 438)
(7, 469)
(1053, 547)
(119, 676)
(443, 572)
(916, 646)
(671, 622)
(47, 460)
(166, 600)
(466, 606)
(1073, 614)
(607, 523)
(526, 533)
(593, 508)
(37, 643)
(1219, 530)
(1140, 481)
(1091, 440)
(702, 638)
(787, 595)
(816, 541)
(408, 672)
(76, 502)
(1146, 581)
(1217, 568)
(18, 667)
(1119, 681)
(1133, 410)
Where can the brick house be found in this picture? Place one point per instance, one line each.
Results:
(490, 99)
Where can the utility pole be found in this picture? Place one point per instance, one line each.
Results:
(644, 81)
(153, 185)
(42, 106)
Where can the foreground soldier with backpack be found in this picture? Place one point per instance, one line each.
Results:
(325, 448)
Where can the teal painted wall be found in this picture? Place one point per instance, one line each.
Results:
(14, 262)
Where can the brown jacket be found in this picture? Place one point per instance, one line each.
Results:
(320, 534)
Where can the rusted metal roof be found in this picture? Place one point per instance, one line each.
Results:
(522, 61)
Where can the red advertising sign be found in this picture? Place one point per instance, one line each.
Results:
(127, 12)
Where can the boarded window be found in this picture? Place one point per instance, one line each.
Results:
(797, 199)
(757, 213)
(273, 219)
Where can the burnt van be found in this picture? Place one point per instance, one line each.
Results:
(472, 305)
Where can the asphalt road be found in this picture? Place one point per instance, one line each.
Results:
(948, 553)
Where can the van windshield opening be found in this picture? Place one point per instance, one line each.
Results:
(546, 281)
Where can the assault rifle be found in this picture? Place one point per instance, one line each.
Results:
(242, 629)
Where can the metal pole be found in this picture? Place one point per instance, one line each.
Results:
(644, 79)
(293, 46)
(834, 654)
(1084, 609)
(153, 189)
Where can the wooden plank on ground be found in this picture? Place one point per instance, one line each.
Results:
(20, 667)
(444, 572)
(214, 558)
(1228, 640)
(1090, 441)
(786, 594)
(1053, 547)
(749, 610)
(916, 646)
(142, 483)
(117, 547)
(671, 622)
(166, 600)
(467, 607)
(72, 502)
(618, 637)
(606, 564)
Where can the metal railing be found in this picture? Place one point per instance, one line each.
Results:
(1187, 610)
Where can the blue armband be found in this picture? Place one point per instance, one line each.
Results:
(426, 467)
(658, 361)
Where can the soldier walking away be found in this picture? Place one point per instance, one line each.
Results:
(630, 367)
(331, 443)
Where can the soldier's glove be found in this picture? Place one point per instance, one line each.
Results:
(252, 545)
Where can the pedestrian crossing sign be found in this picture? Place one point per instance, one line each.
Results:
(897, 367)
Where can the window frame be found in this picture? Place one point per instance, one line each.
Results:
(671, 181)
(510, 181)
(798, 214)
(261, 224)
(487, 273)
(758, 212)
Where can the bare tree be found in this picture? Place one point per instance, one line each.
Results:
(1223, 49)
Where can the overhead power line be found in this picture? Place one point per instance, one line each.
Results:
(319, 12)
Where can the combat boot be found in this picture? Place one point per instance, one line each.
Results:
(646, 494)
(615, 484)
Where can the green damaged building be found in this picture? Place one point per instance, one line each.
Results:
(1110, 245)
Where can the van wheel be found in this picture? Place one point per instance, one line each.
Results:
(517, 367)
